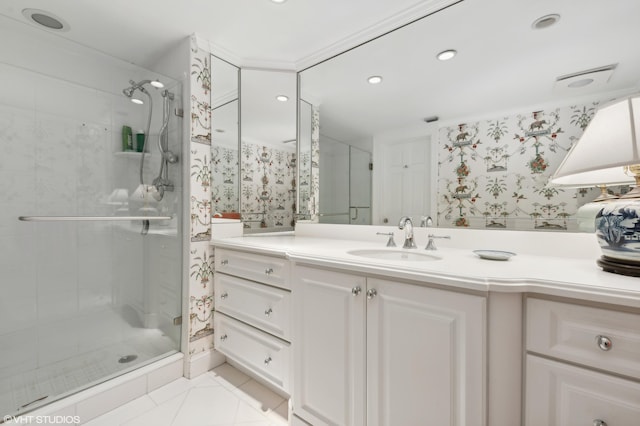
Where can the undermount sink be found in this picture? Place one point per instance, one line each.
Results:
(393, 255)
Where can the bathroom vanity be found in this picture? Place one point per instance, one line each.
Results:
(359, 334)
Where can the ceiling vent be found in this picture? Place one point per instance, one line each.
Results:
(595, 78)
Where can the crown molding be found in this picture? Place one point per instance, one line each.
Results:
(391, 23)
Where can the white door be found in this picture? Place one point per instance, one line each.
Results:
(425, 356)
(329, 338)
(406, 180)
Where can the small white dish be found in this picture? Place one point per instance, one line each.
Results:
(494, 254)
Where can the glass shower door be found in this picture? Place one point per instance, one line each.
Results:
(84, 295)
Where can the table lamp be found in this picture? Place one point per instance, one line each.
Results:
(608, 152)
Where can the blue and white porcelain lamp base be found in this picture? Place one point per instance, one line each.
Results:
(618, 232)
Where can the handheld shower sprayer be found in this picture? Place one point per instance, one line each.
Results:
(162, 182)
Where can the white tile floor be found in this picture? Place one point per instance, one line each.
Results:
(221, 397)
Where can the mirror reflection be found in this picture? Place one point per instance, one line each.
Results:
(224, 139)
(473, 140)
(268, 150)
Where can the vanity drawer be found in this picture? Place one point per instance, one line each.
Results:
(261, 353)
(262, 306)
(265, 269)
(560, 394)
(596, 337)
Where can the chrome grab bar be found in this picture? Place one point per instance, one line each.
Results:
(88, 218)
(333, 214)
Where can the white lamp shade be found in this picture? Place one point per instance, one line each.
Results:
(610, 142)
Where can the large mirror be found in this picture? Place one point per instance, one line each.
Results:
(472, 141)
(268, 150)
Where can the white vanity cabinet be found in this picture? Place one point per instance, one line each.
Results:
(372, 351)
(252, 319)
(582, 365)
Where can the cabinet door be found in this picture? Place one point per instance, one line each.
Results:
(329, 345)
(425, 356)
(559, 394)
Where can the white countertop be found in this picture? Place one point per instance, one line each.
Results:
(457, 267)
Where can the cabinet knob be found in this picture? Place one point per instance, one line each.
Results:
(268, 271)
(356, 291)
(224, 262)
(267, 361)
(223, 337)
(604, 343)
(268, 312)
(224, 295)
(598, 422)
(371, 293)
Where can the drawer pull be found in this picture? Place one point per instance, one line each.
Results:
(356, 291)
(223, 337)
(268, 271)
(605, 344)
(224, 262)
(224, 295)
(268, 361)
(371, 293)
(268, 312)
(598, 422)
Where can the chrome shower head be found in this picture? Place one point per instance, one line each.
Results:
(128, 92)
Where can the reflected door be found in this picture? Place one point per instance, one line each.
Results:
(406, 180)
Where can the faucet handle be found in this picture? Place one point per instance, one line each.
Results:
(431, 245)
(426, 222)
(390, 243)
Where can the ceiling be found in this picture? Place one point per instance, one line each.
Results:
(249, 33)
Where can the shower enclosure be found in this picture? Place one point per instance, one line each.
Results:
(90, 235)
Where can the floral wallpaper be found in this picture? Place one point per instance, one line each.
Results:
(494, 173)
(200, 252)
(268, 186)
(224, 164)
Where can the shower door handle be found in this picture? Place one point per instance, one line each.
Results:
(89, 218)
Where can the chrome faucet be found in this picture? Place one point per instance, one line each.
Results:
(406, 224)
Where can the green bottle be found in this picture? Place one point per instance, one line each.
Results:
(127, 139)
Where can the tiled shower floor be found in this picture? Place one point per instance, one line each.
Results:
(26, 391)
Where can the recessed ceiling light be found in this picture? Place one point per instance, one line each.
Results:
(45, 19)
(545, 21)
(445, 55)
(374, 79)
(282, 98)
(278, 1)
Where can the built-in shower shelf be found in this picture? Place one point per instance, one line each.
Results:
(131, 154)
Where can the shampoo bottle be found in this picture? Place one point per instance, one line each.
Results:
(127, 139)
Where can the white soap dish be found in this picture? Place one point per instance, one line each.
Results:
(494, 254)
